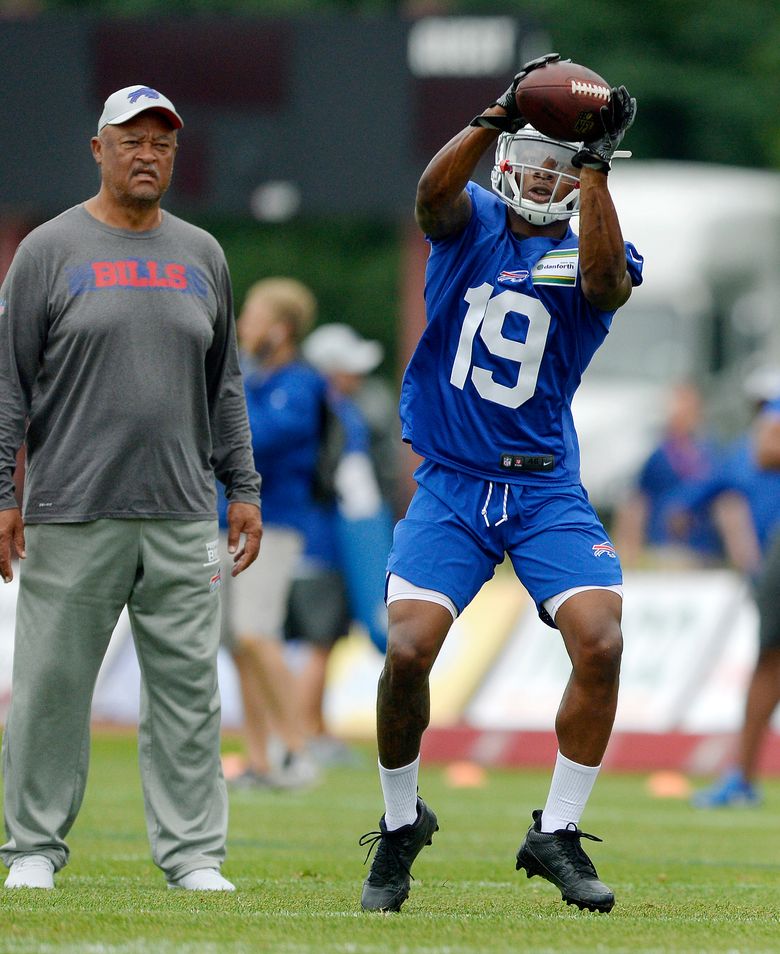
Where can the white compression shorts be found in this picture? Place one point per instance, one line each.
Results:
(401, 589)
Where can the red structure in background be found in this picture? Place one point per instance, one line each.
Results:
(627, 751)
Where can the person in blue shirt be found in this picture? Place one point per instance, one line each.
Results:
(516, 307)
(364, 476)
(648, 526)
(341, 578)
(748, 490)
(285, 398)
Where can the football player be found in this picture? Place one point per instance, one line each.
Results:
(516, 307)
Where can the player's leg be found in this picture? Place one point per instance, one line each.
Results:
(416, 631)
(175, 616)
(590, 625)
(737, 786)
(589, 622)
(561, 548)
(417, 628)
(73, 586)
(437, 565)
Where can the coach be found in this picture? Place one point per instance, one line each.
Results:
(119, 372)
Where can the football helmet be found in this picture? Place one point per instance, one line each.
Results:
(534, 175)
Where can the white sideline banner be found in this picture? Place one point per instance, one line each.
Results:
(689, 642)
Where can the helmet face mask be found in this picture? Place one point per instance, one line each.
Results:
(528, 162)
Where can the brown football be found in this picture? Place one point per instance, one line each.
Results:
(562, 100)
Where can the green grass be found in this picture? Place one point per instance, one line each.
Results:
(684, 881)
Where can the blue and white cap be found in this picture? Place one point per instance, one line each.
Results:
(132, 100)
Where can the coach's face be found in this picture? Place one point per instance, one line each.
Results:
(136, 158)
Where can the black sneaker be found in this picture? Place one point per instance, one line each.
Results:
(387, 885)
(558, 857)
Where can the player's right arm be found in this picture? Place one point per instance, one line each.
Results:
(443, 207)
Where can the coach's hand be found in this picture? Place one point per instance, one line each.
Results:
(243, 518)
(11, 540)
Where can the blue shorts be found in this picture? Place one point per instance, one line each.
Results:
(458, 529)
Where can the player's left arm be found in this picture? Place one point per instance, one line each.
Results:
(605, 280)
(604, 277)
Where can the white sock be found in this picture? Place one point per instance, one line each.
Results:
(569, 791)
(399, 787)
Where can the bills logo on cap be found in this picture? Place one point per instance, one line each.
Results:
(601, 548)
(146, 91)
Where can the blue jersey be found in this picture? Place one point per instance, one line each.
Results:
(740, 472)
(284, 406)
(321, 529)
(675, 464)
(509, 334)
(760, 487)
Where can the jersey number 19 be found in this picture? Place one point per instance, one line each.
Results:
(487, 315)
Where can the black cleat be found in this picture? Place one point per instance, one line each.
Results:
(558, 857)
(387, 885)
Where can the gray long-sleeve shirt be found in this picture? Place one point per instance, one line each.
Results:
(118, 355)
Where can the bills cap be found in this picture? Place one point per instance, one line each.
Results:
(132, 100)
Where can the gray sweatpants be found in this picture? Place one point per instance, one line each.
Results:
(72, 588)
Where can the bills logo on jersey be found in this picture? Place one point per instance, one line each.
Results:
(134, 273)
(215, 582)
(512, 277)
(599, 549)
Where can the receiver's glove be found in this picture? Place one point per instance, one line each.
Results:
(513, 120)
(616, 117)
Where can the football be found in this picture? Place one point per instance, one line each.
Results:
(562, 100)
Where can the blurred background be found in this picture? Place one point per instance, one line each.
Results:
(308, 123)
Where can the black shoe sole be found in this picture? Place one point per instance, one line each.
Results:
(532, 868)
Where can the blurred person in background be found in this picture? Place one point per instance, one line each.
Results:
(364, 476)
(649, 530)
(349, 362)
(746, 495)
(343, 576)
(318, 616)
(119, 371)
(516, 307)
(285, 398)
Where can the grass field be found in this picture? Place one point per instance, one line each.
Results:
(684, 881)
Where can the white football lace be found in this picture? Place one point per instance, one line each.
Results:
(590, 89)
